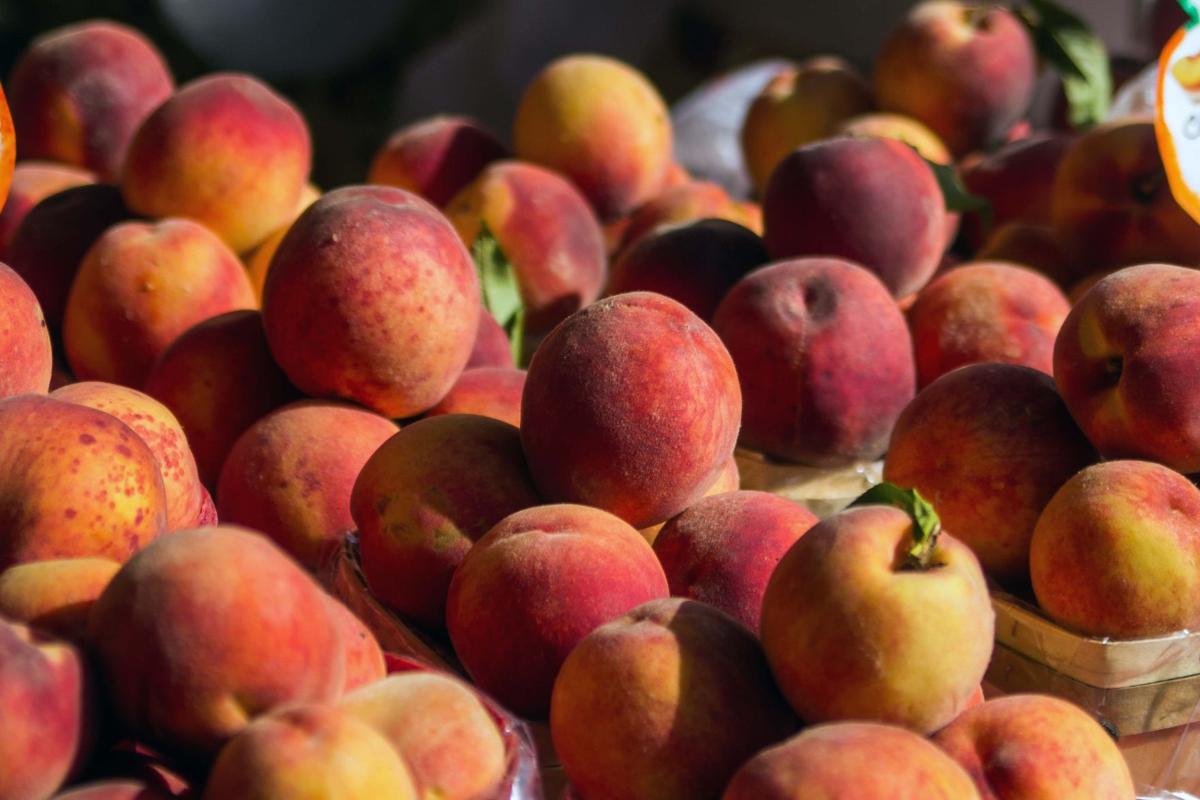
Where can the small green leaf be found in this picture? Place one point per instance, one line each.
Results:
(498, 285)
(926, 524)
(957, 197)
(1068, 45)
(1193, 14)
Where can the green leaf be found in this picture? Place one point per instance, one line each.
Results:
(498, 285)
(1193, 14)
(1068, 45)
(957, 197)
(926, 524)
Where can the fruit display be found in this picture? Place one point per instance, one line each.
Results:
(546, 464)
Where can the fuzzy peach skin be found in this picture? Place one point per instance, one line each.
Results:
(316, 752)
(1117, 552)
(290, 475)
(139, 287)
(372, 297)
(696, 263)
(25, 351)
(986, 311)
(435, 157)
(601, 123)
(988, 445)
(1029, 747)
(258, 261)
(47, 697)
(79, 93)
(55, 596)
(824, 359)
(54, 237)
(491, 347)
(848, 632)
(728, 480)
(868, 200)
(1124, 364)
(218, 378)
(208, 628)
(687, 202)
(1112, 205)
(32, 182)
(647, 397)
(74, 482)
(364, 657)
(799, 106)
(157, 427)
(545, 229)
(723, 549)
(1017, 180)
(439, 726)
(667, 701)
(505, 614)
(859, 760)
(224, 150)
(425, 497)
(966, 70)
(1033, 246)
(488, 391)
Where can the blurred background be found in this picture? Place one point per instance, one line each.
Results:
(360, 68)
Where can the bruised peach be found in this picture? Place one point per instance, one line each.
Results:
(435, 157)
(25, 353)
(79, 93)
(290, 475)
(55, 596)
(602, 124)
(488, 391)
(224, 150)
(32, 182)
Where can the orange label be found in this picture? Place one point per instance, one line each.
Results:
(1177, 117)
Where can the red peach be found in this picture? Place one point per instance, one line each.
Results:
(25, 350)
(688, 202)
(1033, 246)
(435, 157)
(364, 657)
(488, 391)
(55, 596)
(492, 347)
(32, 182)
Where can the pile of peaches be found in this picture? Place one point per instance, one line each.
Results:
(510, 382)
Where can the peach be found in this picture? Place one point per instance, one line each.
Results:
(25, 350)
(666, 701)
(218, 378)
(688, 202)
(313, 751)
(729, 479)
(32, 182)
(224, 150)
(723, 549)
(1124, 364)
(824, 360)
(80, 92)
(602, 124)
(988, 445)
(966, 70)
(439, 726)
(54, 237)
(258, 261)
(1112, 206)
(425, 497)
(695, 263)
(505, 610)
(987, 311)
(1031, 746)
(436, 157)
(55, 596)
(545, 229)
(488, 391)
(868, 200)
(372, 297)
(846, 624)
(799, 106)
(1033, 246)
(46, 695)
(290, 475)
(364, 656)
(1017, 180)
(139, 287)
(862, 760)
(648, 398)
(74, 482)
(1127, 534)
(905, 129)
(157, 427)
(492, 347)
(265, 628)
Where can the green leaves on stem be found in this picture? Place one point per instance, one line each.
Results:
(957, 197)
(1067, 44)
(498, 285)
(926, 524)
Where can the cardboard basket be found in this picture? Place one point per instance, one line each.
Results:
(823, 491)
